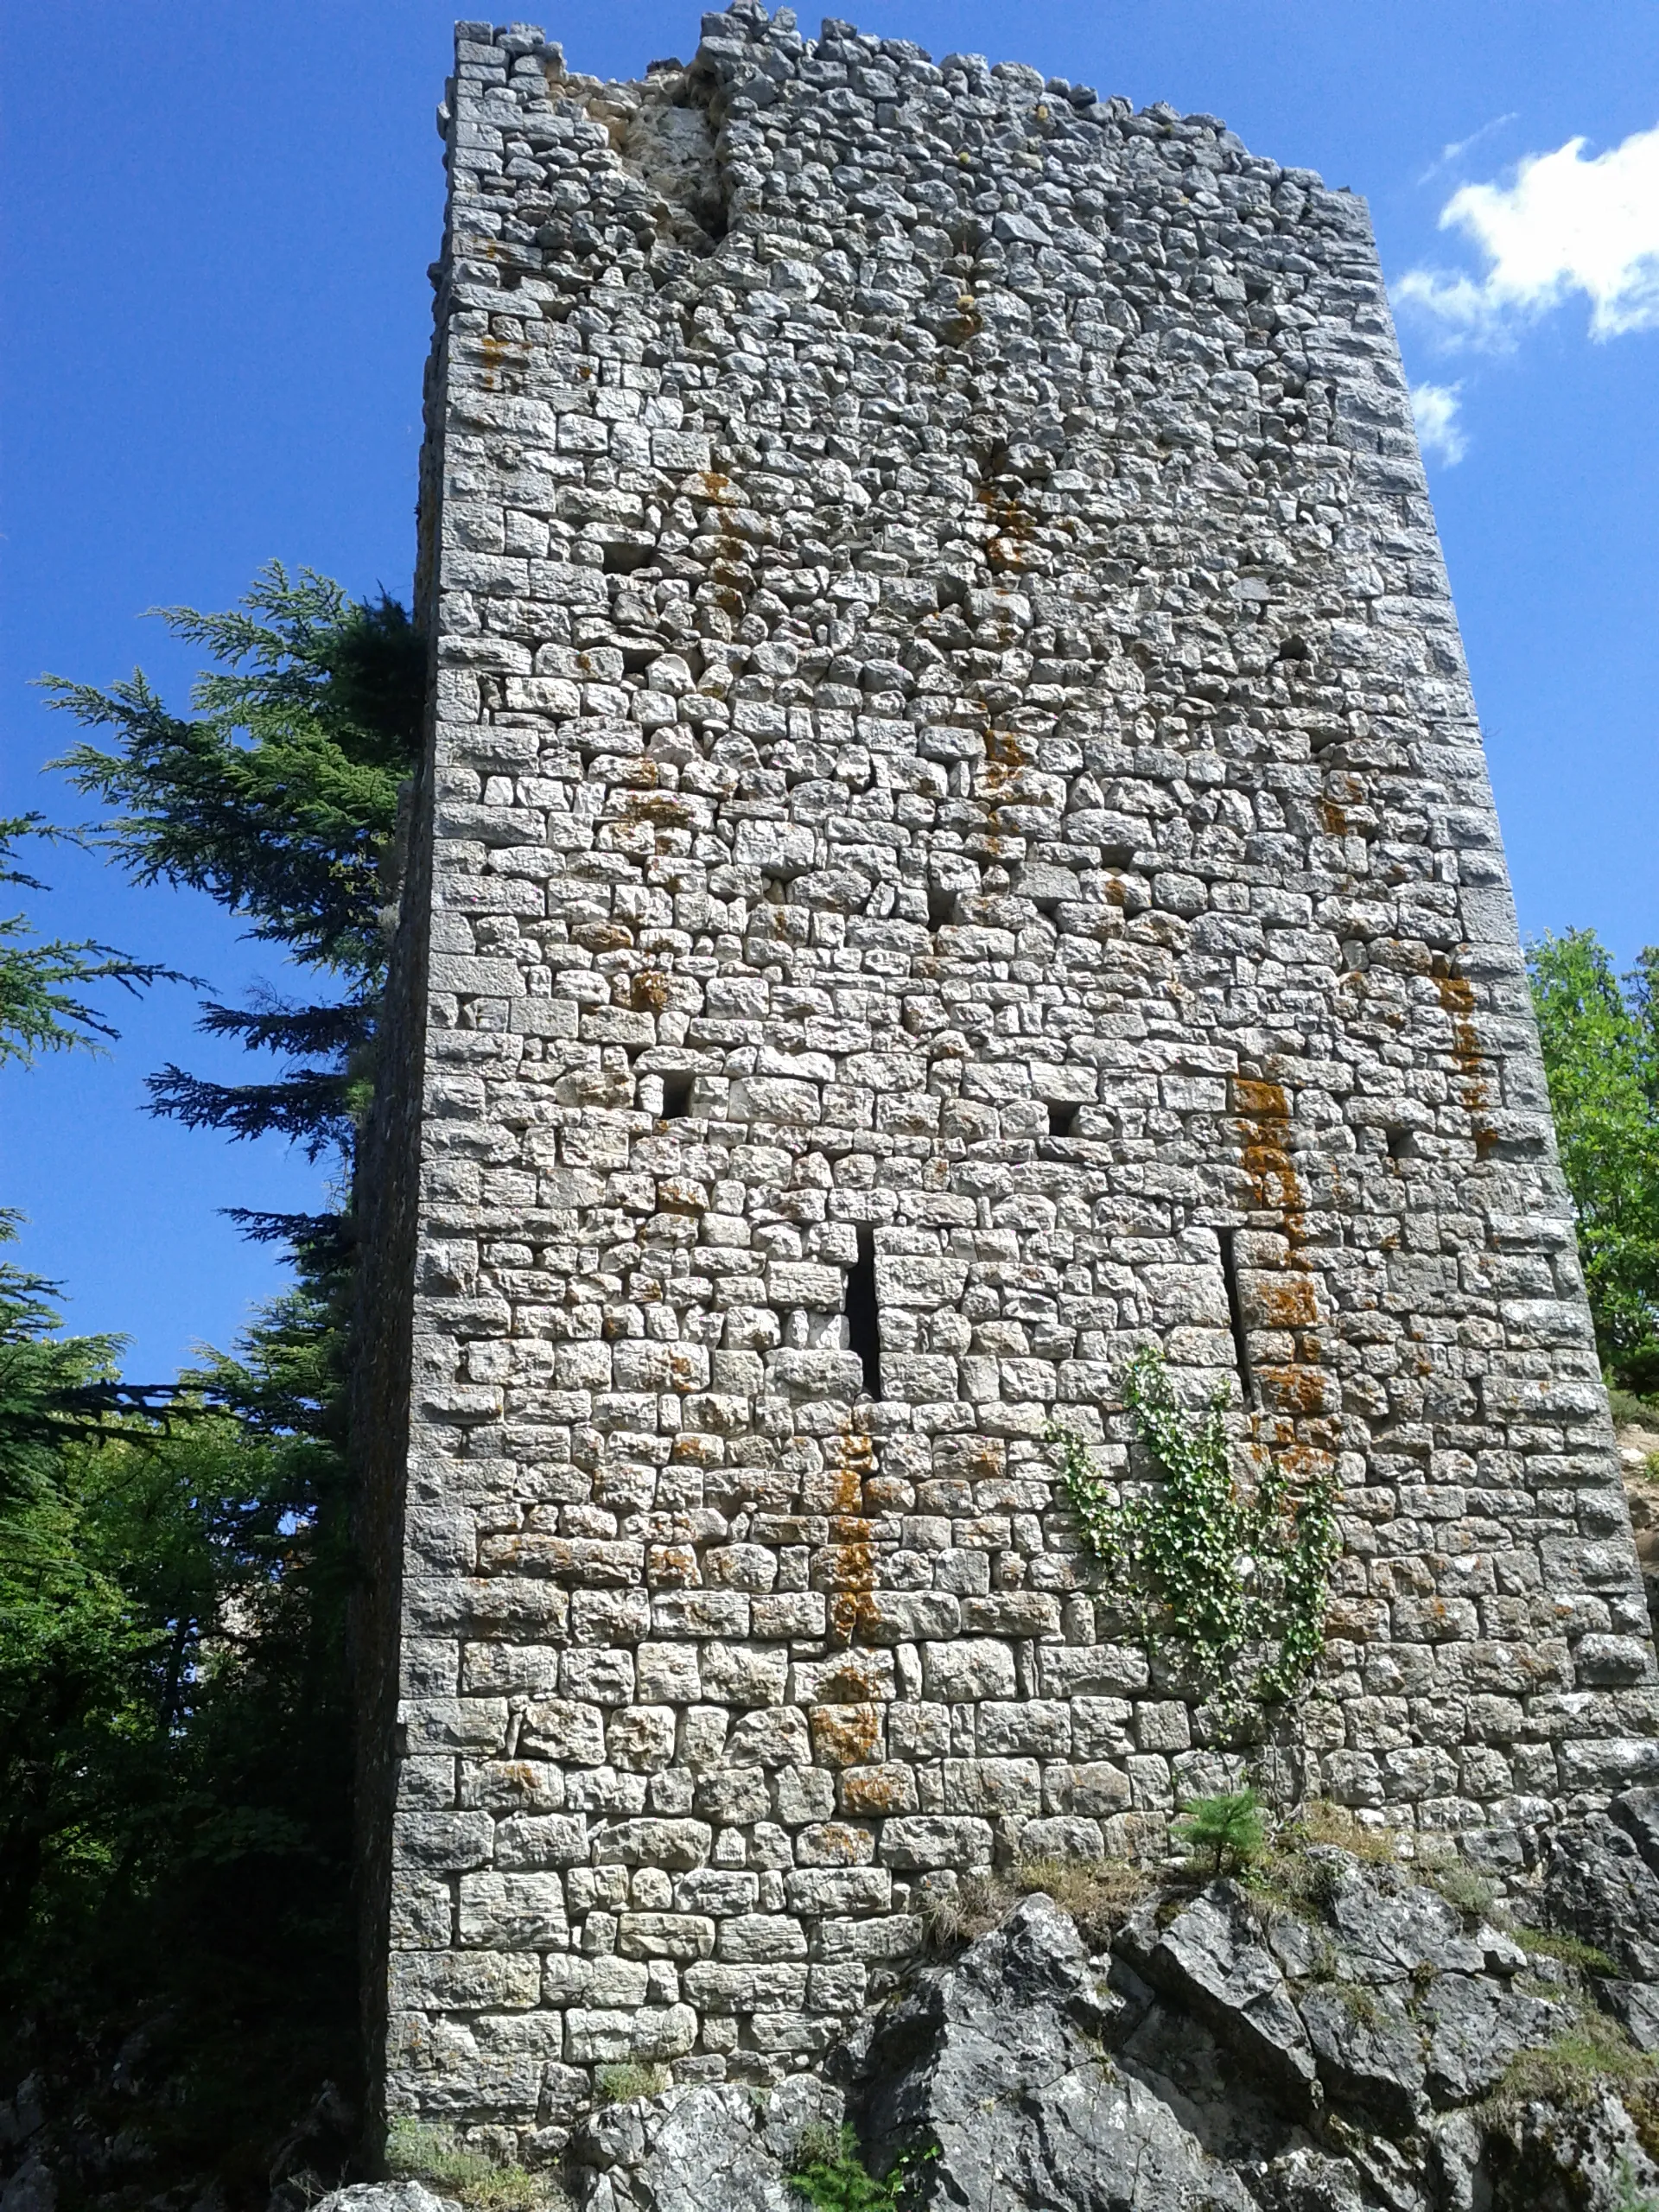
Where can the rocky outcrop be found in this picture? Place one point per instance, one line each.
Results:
(1338, 2037)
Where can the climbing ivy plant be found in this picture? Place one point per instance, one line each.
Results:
(1226, 1573)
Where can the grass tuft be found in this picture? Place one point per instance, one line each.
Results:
(417, 2151)
(1099, 1895)
(1568, 1948)
(1321, 1819)
(1469, 1893)
(1575, 2066)
(622, 2083)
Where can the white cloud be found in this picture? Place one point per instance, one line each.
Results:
(1435, 407)
(1459, 147)
(1565, 224)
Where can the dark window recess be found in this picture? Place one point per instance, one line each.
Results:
(1062, 1118)
(677, 1097)
(1402, 1145)
(1236, 1313)
(863, 1321)
(941, 907)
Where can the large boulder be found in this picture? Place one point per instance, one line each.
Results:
(1212, 1960)
(1599, 1888)
(702, 2147)
(999, 2062)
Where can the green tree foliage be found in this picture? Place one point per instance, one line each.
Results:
(173, 1827)
(1229, 1832)
(278, 798)
(175, 1562)
(42, 1008)
(1600, 1036)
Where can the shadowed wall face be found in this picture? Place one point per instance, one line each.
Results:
(960, 845)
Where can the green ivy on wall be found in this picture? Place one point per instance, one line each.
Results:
(1225, 1573)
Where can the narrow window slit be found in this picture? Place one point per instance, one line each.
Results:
(1226, 1238)
(1062, 1118)
(677, 1097)
(1402, 1145)
(864, 1319)
(941, 907)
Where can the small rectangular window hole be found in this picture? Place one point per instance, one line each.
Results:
(941, 907)
(677, 1097)
(863, 1317)
(1226, 1238)
(1062, 1118)
(1402, 1144)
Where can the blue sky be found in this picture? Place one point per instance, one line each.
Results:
(218, 222)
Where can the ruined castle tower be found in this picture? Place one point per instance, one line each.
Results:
(955, 842)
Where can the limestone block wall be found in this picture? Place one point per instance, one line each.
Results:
(959, 845)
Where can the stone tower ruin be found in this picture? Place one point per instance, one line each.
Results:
(955, 844)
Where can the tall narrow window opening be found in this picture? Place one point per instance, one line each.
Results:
(1062, 1117)
(677, 1097)
(1402, 1145)
(1236, 1313)
(941, 907)
(864, 1319)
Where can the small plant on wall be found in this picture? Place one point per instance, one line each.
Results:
(1238, 1579)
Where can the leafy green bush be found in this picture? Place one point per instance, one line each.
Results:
(1223, 1572)
(1232, 1829)
(832, 2177)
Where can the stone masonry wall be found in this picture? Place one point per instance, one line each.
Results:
(960, 845)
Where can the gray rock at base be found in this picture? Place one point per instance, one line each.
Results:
(1542, 2157)
(1369, 2053)
(1305, 2180)
(699, 2147)
(1599, 1889)
(1475, 2028)
(998, 2061)
(1635, 2005)
(385, 2197)
(1637, 1811)
(1388, 1933)
(1211, 1958)
(32, 2188)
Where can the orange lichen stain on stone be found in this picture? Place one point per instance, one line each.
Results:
(666, 809)
(1297, 1391)
(1332, 819)
(649, 993)
(1263, 1114)
(602, 937)
(877, 1791)
(718, 487)
(677, 1196)
(845, 1735)
(846, 1566)
(692, 1447)
(672, 1567)
(855, 1680)
(1457, 997)
(834, 1844)
(1286, 1302)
